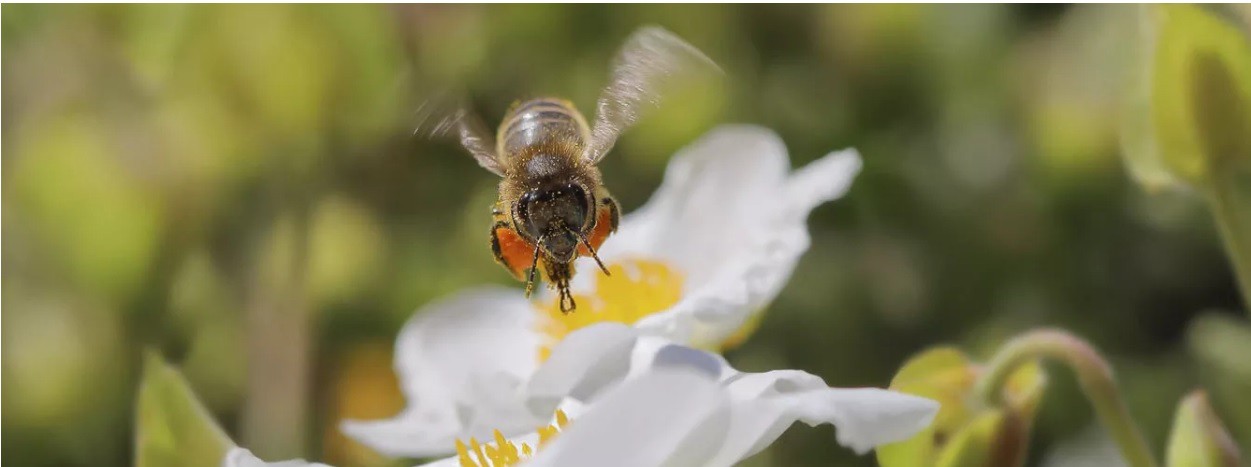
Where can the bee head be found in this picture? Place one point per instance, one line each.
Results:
(554, 216)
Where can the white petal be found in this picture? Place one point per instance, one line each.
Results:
(734, 224)
(822, 180)
(240, 457)
(677, 356)
(713, 190)
(596, 357)
(461, 362)
(766, 404)
(866, 417)
(649, 421)
(581, 365)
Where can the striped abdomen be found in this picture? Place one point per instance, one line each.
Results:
(541, 121)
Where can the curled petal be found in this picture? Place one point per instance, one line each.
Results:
(594, 358)
(825, 179)
(765, 404)
(582, 364)
(712, 196)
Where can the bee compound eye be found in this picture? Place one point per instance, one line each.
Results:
(576, 191)
(579, 195)
(576, 206)
(527, 208)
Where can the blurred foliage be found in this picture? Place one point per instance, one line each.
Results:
(1219, 343)
(171, 427)
(171, 169)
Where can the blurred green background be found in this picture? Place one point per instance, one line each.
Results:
(239, 187)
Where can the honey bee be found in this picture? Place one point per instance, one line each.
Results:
(553, 206)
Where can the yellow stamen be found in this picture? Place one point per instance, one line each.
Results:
(462, 455)
(547, 433)
(561, 419)
(504, 449)
(504, 452)
(634, 290)
(477, 450)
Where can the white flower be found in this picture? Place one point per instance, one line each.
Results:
(681, 406)
(695, 265)
(730, 218)
(240, 457)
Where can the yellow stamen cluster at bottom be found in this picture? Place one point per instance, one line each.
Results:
(506, 453)
(636, 288)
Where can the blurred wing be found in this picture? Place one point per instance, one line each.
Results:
(442, 116)
(647, 61)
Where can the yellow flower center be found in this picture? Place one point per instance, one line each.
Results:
(636, 288)
(506, 453)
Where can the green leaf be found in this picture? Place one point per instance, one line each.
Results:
(172, 427)
(1198, 438)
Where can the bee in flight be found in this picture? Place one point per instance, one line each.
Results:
(553, 206)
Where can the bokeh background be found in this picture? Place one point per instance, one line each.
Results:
(240, 188)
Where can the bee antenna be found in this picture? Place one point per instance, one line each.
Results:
(534, 266)
(592, 250)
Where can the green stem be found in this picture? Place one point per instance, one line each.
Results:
(1230, 199)
(1093, 373)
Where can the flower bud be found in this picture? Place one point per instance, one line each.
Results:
(1199, 438)
(965, 432)
(1189, 108)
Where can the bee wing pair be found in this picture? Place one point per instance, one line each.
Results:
(650, 58)
(445, 115)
